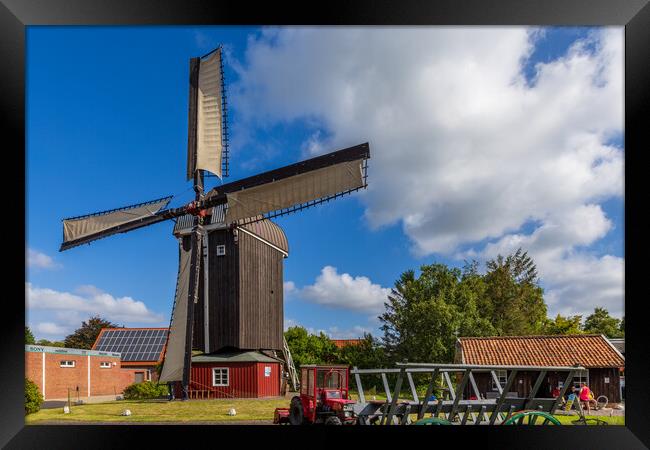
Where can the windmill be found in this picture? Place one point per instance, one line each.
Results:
(226, 216)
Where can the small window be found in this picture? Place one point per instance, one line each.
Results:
(581, 376)
(502, 375)
(67, 363)
(220, 376)
(105, 365)
(221, 250)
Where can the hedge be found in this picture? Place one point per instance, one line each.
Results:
(145, 390)
(33, 398)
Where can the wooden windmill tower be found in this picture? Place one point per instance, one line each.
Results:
(229, 287)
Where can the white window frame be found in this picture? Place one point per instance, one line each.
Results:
(581, 376)
(214, 378)
(502, 375)
(105, 365)
(64, 363)
(221, 250)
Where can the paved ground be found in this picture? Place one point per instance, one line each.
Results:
(61, 402)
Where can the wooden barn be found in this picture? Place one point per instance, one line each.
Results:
(602, 361)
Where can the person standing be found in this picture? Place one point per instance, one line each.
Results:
(586, 397)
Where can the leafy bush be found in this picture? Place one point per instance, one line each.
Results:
(33, 398)
(144, 390)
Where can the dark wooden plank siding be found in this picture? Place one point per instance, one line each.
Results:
(223, 287)
(598, 386)
(261, 303)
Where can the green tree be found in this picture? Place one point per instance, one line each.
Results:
(367, 354)
(600, 322)
(85, 336)
(622, 327)
(29, 337)
(309, 348)
(47, 343)
(513, 300)
(425, 315)
(563, 325)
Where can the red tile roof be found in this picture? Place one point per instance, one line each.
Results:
(587, 350)
(343, 342)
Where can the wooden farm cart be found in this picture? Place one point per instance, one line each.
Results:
(508, 408)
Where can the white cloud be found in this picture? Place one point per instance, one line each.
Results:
(345, 291)
(68, 309)
(289, 288)
(333, 332)
(49, 328)
(463, 147)
(40, 260)
(576, 281)
(288, 323)
(355, 332)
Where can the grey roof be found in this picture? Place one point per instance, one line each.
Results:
(234, 356)
(619, 344)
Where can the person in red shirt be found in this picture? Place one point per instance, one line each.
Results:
(586, 397)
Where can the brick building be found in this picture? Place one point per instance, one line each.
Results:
(84, 373)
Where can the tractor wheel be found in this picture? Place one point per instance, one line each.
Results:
(296, 416)
(333, 420)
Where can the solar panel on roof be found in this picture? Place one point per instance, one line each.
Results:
(133, 344)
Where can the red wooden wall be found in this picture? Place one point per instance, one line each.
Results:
(246, 380)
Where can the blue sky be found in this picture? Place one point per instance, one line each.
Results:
(482, 140)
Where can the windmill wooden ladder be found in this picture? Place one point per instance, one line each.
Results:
(291, 368)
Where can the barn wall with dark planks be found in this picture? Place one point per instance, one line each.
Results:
(261, 294)
(223, 291)
(598, 385)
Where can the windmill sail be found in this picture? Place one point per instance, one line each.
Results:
(296, 190)
(79, 230)
(205, 144)
(307, 182)
(174, 361)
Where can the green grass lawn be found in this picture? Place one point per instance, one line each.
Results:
(164, 411)
(196, 411)
(614, 420)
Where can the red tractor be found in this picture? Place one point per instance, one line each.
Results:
(324, 398)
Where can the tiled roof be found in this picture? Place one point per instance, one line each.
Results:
(343, 342)
(587, 350)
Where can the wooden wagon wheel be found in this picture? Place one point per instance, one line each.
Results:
(432, 421)
(531, 417)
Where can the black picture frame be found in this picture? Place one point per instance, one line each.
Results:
(15, 15)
